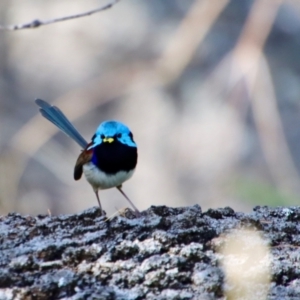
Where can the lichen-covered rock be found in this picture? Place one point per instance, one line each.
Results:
(168, 253)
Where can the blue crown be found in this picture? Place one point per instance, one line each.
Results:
(113, 129)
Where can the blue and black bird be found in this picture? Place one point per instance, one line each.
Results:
(108, 160)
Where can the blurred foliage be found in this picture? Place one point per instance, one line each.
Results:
(210, 90)
(262, 193)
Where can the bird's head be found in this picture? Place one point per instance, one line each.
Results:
(110, 132)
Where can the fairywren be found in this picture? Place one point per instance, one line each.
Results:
(108, 160)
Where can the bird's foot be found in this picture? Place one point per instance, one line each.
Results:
(129, 213)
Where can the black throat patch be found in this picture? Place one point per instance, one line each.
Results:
(114, 157)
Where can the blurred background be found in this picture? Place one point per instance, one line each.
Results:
(209, 88)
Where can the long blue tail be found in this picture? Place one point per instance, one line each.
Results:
(56, 116)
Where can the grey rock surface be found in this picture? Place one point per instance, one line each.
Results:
(168, 253)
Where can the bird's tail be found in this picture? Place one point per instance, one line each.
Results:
(56, 116)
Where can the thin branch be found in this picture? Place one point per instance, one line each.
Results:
(37, 23)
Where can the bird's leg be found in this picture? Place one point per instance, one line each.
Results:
(137, 212)
(98, 198)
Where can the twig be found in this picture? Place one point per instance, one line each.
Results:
(37, 23)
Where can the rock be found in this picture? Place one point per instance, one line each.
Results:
(168, 253)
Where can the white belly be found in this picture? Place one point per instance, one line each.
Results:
(100, 180)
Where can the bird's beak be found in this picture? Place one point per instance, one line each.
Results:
(108, 140)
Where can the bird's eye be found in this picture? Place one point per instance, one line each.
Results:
(102, 136)
(119, 135)
(131, 136)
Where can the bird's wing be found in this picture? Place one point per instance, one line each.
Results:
(84, 157)
(56, 117)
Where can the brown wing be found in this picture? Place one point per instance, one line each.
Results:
(84, 157)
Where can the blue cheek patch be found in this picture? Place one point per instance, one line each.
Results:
(126, 140)
(97, 141)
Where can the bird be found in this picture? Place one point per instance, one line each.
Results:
(108, 160)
